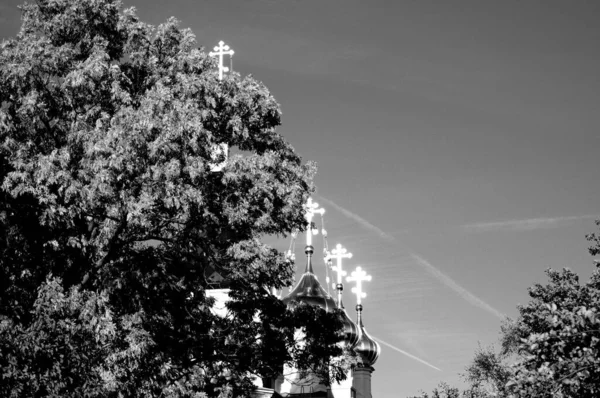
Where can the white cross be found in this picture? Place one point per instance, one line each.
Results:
(339, 253)
(311, 209)
(358, 276)
(220, 50)
(222, 149)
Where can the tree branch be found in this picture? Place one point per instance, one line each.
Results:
(559, 381)
(111, 247)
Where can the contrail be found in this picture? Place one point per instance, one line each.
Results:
(439, 275)
(462, 292)
(406, 353)
(359, 220)
(527, 224)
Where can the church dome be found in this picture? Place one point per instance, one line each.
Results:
(367, 349)
(309, 290)
(350, 330)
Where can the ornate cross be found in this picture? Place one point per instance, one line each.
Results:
(221, 149)
(220, 50)
(339, 253)
(358, 276)
(311, 208)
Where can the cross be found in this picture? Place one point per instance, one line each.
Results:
(311, 209)
(358, 276)
(220, 50)
(221, 149)
(339, 253)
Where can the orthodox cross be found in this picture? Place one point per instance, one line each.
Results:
(358, 276)
(339, 253)
(220, 50)
(311, 209)
(220, 150)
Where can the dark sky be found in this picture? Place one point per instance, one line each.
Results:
(457, 144)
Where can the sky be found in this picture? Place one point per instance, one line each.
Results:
(457, 145)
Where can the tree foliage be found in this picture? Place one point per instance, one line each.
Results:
(110, 214)
(595, 240)
(559, 339)
(488, 373)
(444, 390)
(552, 349)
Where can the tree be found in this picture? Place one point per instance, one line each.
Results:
(552, 349)
(110, 214)
(488, 372)
(595, 240)
(444, 390)
(559, 339)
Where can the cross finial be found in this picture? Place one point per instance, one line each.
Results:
(358, 276)
(220, 150)
(339, 253)
(311, 209)
(220, 50)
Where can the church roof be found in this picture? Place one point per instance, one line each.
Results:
(367, 349)
(351, 330)
(309, 290)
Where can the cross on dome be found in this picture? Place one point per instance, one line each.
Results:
(339, 253)
(220, 50)
(358, 276)
(311, 209)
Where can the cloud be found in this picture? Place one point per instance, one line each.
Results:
(393, 347)
(435, 272)
(527, 224)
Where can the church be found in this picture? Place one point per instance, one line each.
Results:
(309, 290)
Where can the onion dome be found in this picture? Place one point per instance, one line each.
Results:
(309, 290)
(350, 330)
(367, 349)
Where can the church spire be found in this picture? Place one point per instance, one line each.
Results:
(311, 208)
(367, 348)
(220, 151)
(309, 289)
(339, 253)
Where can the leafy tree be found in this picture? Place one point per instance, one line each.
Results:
(488, 372)
(486, 377)
(552, 349)
(444, 390)
(110, 215)
(559, 339)
(595, 240)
